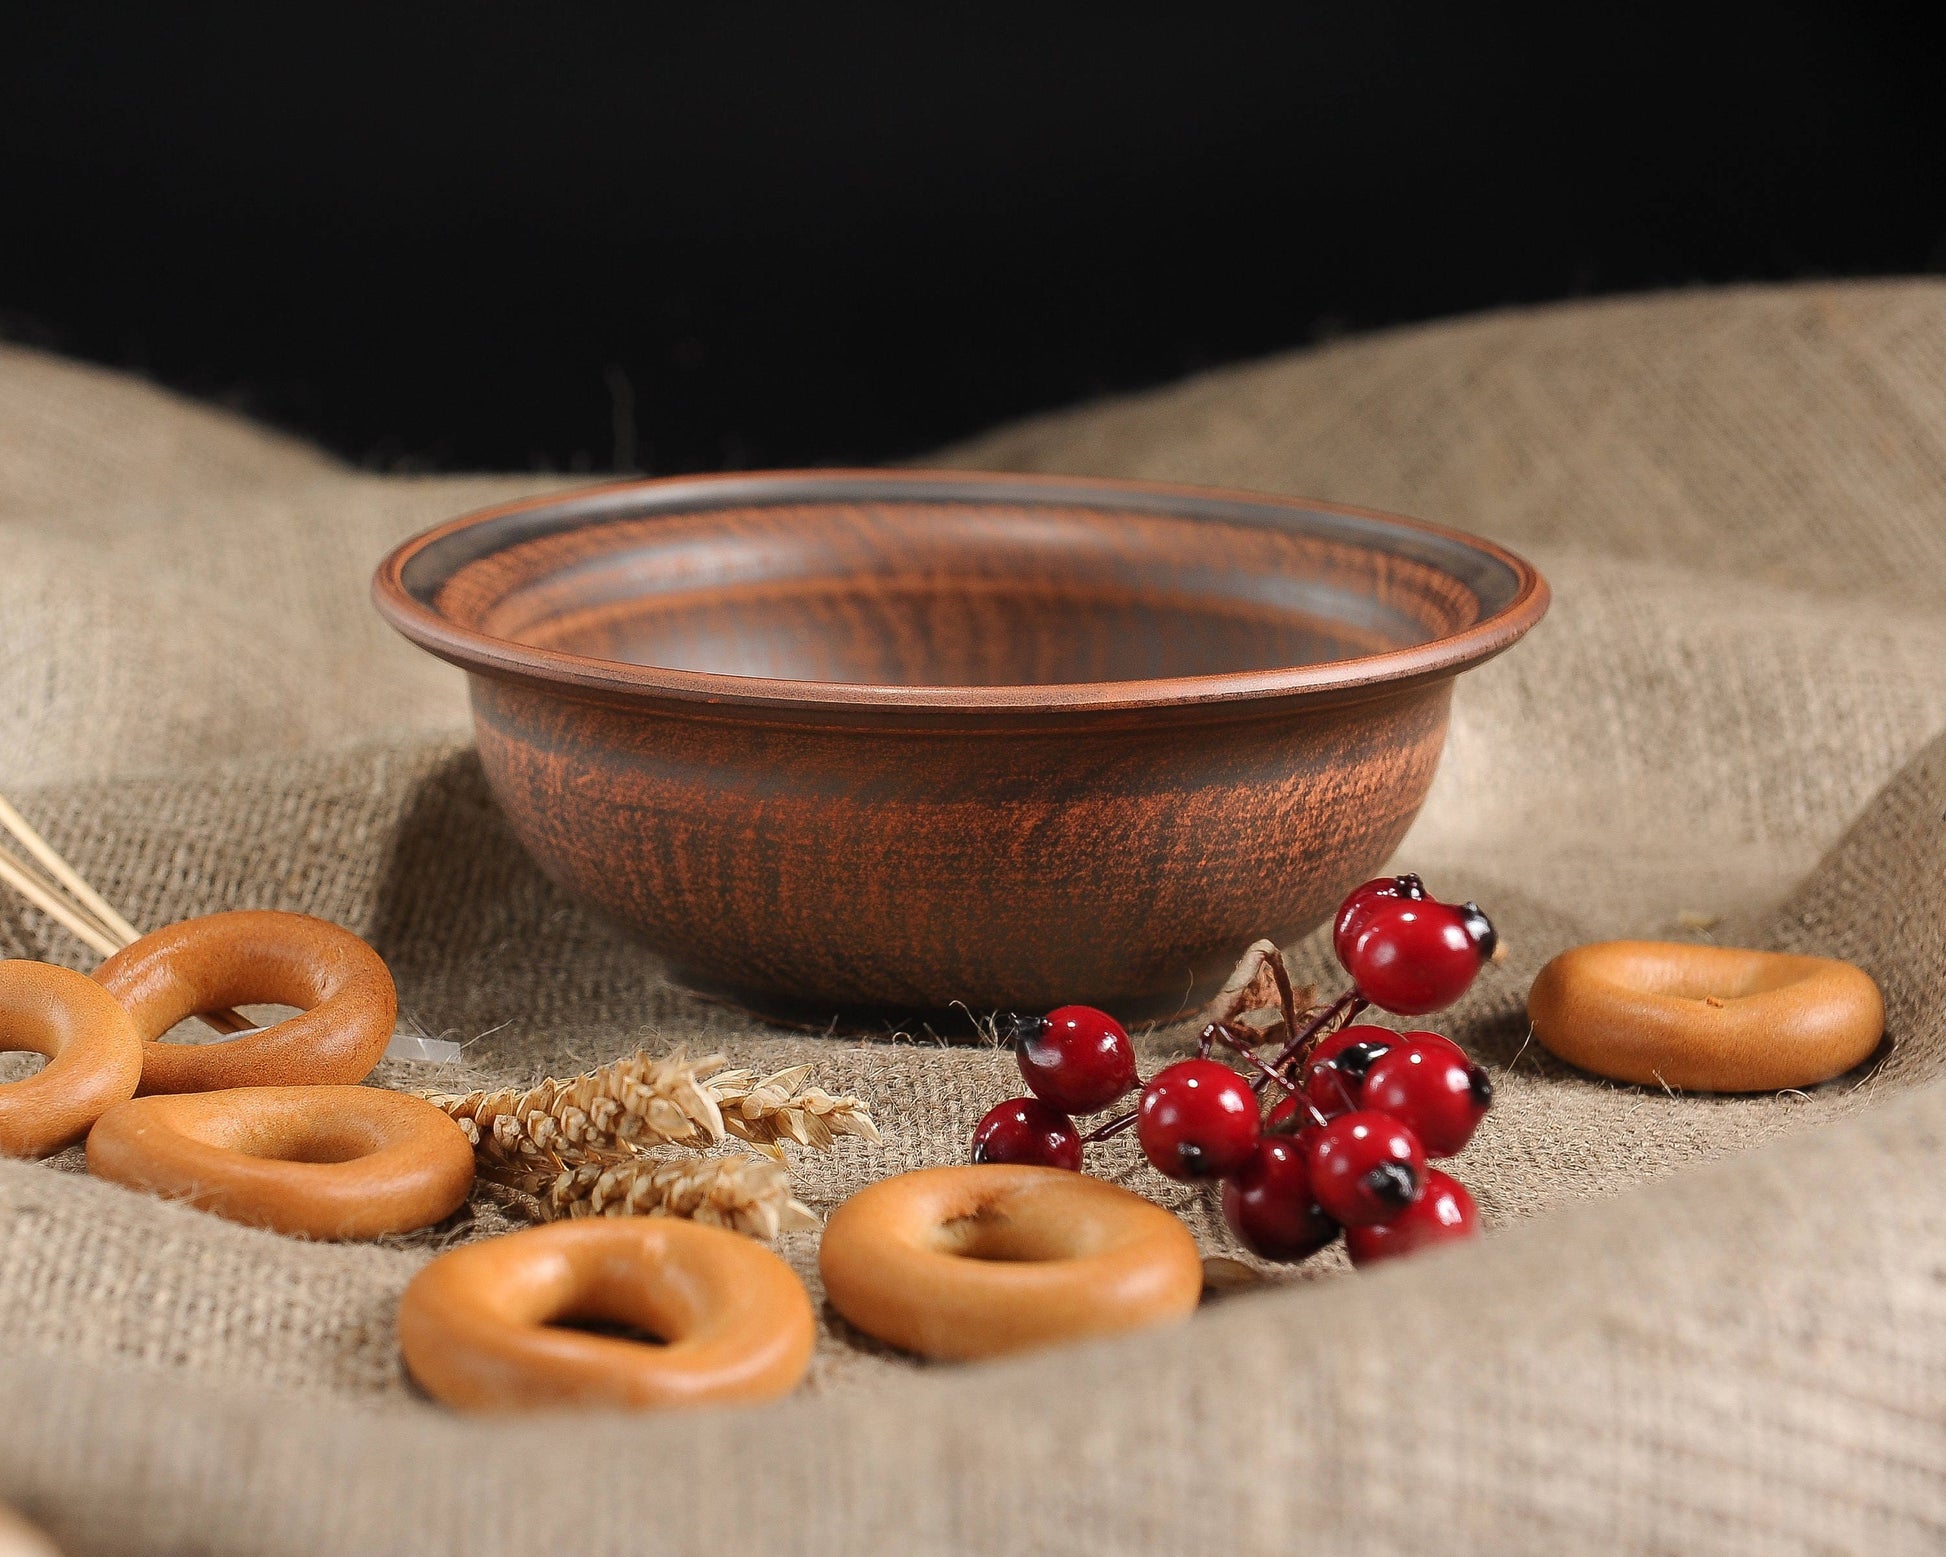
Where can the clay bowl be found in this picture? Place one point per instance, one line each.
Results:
(862, 743)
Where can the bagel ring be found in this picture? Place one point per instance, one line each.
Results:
(255, 957)
(477, 1327)
(314, 1162)
(992, 1258)
(94, 1056)
(1705, 1018)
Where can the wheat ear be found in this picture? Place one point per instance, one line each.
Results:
(746, 1194)
(639, 1102)
(772, 1109)
(635, 1101)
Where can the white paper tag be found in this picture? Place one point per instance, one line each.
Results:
(416, 1046)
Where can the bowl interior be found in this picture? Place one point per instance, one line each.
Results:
(912, 591)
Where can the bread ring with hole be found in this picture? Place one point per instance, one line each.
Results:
(314, 1162)
(480, 1329)
(94, 1056)
(1705, 1018)
(343, 990)
(992, 1258)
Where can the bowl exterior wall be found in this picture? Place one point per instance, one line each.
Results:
(1124, 863)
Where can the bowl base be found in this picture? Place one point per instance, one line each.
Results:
(958, 1024)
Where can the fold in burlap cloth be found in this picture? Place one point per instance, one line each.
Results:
(1741, 501)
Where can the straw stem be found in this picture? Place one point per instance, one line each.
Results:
(17, 876)
(66, 875)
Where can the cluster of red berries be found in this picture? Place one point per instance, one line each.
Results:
(1363, 1109)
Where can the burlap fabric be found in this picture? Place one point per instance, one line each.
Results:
(1699, 1324)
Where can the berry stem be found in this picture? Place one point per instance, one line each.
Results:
(1297, 1122)
(1340, 1011)
(1218, 1030)
(1115, 1126)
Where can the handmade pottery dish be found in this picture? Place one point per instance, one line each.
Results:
(845, 741)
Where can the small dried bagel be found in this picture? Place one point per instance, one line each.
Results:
(1705, 1018)
(341, 987)
(94, 1056)
(480, 1327)
(314, 1162)
(992, 1258)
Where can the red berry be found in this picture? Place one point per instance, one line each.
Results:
(1338, 1064)
(1366, 1167)
(1443, 1214)
(1427, 1036)
(1198, 1120)
(1279, 1120)
(1433, 1090)
(1415, 957)
(1269, 1205)
(1077, 1058)
(1026, 1130)
(1292, 1120)
(1358, 907)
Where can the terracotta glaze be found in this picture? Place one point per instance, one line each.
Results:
(894, 740)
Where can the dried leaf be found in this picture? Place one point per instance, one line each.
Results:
(1258, 995)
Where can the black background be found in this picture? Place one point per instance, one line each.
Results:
(609, 236)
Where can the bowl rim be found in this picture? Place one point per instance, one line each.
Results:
(436, 554)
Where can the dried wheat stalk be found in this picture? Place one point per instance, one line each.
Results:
(580, 1147)
(746, 1194)
(776, 1108)
(639, 1102)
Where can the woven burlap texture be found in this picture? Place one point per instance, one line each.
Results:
(1699, 1325)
